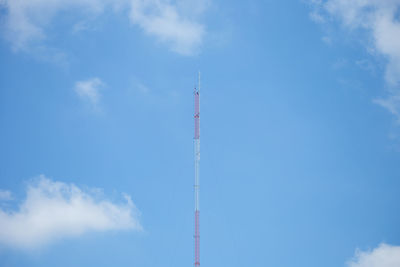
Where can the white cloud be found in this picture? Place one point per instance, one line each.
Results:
(161, 19)
(171, 22)
(380, 20)
(382, 256)
(54, 210)
(89, 90)
(5, 195)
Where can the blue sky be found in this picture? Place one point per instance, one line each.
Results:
(300, 135)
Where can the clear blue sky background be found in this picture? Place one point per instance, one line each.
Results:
(299, 166)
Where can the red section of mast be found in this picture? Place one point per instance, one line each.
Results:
(196, 238)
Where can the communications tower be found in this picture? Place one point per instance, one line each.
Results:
(197, 175)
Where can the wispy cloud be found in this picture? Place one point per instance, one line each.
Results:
(5, 195)
(25, 21)
(382, 256)
(54, 210)
(317, 17)
(89, 91)
(170, 22)
(380, 21)
(391, 103)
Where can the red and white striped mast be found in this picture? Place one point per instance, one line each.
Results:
(197, 175)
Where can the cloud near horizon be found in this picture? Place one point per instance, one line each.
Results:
(381, 21)
(26, 22)
(54, 210)
(383, 256)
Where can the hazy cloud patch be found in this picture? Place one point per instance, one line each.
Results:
(89, 91)
(5, 195)
(26, 22)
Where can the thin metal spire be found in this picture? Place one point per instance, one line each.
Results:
(197, 175)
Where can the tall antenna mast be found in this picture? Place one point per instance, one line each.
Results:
(197, 175)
